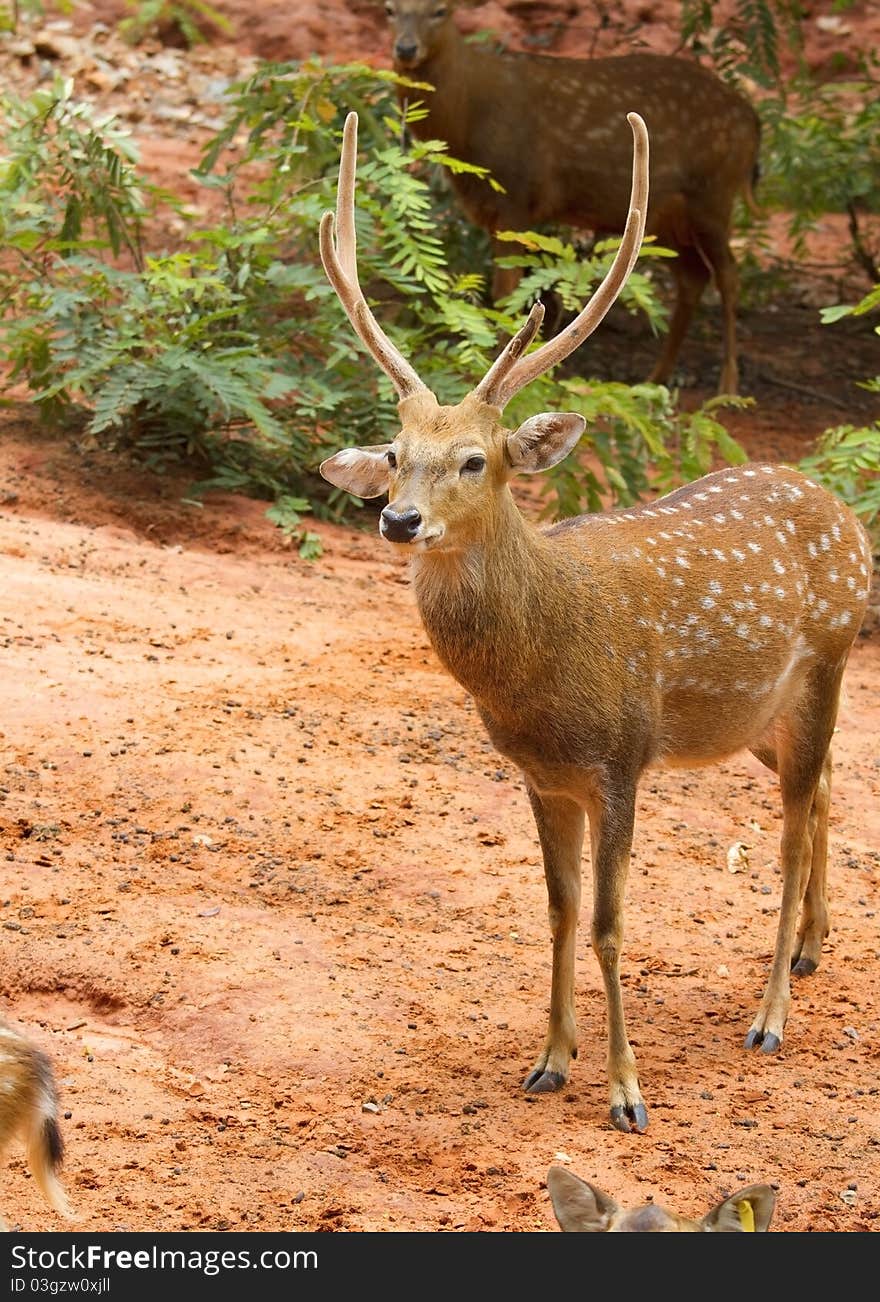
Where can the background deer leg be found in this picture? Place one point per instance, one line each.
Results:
(815, 917)
(504, 279)
(717, 251)
(560, 824)
(803, 760)
(611, 831)
(692, 275)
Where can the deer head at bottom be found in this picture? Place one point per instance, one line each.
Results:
(584, 1208)
(716, 619)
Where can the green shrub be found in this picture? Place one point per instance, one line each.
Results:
(231, 351)
(847, 457)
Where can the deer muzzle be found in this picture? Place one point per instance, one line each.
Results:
(400, 526)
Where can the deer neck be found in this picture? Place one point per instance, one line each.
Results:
(482, 600)
(447, 69)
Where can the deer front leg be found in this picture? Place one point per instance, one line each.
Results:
(611, 830)
(560, 824)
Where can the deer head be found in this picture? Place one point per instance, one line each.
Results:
(584, 1208)
(445, 469)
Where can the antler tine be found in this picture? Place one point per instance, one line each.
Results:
(499, 369)
(510, 373)
(338, 245)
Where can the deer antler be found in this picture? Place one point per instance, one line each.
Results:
(511, 371)
(339, 256)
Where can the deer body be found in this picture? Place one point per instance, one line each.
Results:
(717, 618)
(552, 131)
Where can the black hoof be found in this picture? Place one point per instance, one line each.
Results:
(804, 967)
(543, 1082)
(768, 1043)
(630, 1119)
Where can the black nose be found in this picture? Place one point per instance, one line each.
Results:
(400, 526)
(406, 51)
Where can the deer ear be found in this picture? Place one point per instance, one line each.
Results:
(579, 1207)
(361, 471)
(542, 441)
(749, 1210)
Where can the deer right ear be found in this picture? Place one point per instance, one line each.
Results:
(361, 471)
(543, 440)
(579, 1207)
(749, 1210)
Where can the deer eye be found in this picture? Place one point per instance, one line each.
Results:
(391, 459)
(474, 465)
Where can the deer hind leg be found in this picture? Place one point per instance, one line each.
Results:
(815, 917)
(560, 824)
(611, 833)
(803, 760)
(504, 279)
(692, 275)
(717, 251)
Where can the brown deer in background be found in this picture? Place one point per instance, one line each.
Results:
(717, 618)
(29, 1109)
(552, 132)
(584, 1208)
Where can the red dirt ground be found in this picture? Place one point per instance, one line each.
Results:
(274, 907)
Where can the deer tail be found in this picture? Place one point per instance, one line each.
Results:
(45, 1145)
(753, 178)
(748, 192)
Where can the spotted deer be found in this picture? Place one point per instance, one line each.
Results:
(552, 132)
(584, 1208)
(29, 1109)
(679, 631)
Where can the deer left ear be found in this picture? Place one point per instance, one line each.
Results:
(542, 441)
(362, 471)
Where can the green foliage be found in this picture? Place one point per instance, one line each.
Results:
(638, 441)
(230, 352)
(11, 14)
(822, 154)
(744, 41)
(820, 135)
(287, 512)
(188, 17)
(66, 179)
(847, 457)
